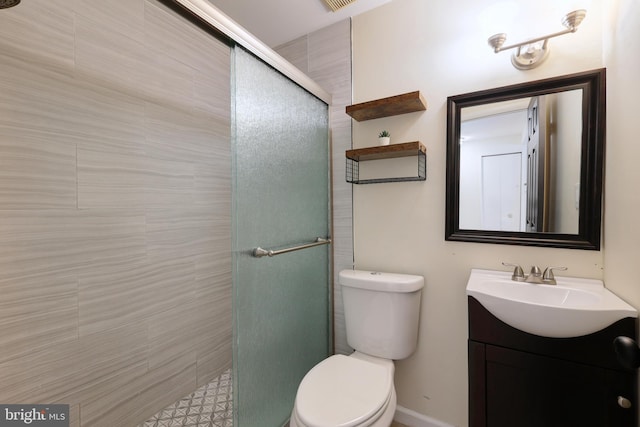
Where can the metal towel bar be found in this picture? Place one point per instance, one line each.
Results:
(259, 252)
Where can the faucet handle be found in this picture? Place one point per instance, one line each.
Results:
(518, 274)
(548, 277)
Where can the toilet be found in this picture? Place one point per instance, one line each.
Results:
(381, 316)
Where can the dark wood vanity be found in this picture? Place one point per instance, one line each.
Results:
(517, 379)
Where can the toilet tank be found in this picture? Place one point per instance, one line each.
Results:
(382, 312)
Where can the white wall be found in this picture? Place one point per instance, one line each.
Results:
(439, 47)
(566, 141)
(622, 198)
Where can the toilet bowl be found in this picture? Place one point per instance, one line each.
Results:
(381, 318)
(346, 391)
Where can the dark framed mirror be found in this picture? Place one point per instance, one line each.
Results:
(525, 163)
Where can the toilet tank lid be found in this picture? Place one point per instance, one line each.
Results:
(381, 281)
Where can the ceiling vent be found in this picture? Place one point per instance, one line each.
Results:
(338, 4)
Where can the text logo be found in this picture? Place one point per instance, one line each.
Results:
(34, 415)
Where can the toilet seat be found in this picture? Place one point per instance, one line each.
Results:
(344, 391)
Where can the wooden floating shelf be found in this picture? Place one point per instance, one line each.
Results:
(406, 149)
(386, 107)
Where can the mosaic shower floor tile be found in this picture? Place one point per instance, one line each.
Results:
(209, 406)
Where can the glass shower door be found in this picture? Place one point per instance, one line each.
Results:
(281, 199)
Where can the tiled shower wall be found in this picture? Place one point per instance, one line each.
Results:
(115, 189)
(325, 56)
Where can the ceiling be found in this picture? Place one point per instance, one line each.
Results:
(275, 22)
(495, 127)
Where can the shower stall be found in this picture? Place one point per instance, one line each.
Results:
(134, 191)
(280, 203)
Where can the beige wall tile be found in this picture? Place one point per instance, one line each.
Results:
(101, 363)
(108, 179)
(166, 32)
(37, 312)
(189, 136)
(66, 109)
(122, 16)
(208, 367)
(141, 396)
(36, 171)
(132, 294)
(74, 416)
(35, 97)
(212, 189)
(213, 302)
(211, 91)
(115, 200)
(173, 333)
(105, 118)
(296, 52)
(168, 81)
(65, 372)
(171, 45)
(193, 233)
(109, 57)
(41, 34)
(71, 241)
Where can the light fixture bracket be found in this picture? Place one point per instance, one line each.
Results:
(529, 56)
(531, 53)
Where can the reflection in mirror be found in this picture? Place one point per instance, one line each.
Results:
(520, 164)
(525, 163)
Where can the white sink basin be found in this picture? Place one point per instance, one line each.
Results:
(572, 308)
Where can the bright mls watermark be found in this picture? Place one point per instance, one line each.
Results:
(34, 415)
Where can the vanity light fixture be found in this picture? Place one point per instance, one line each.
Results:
(533, 52)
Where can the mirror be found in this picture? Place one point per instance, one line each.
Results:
(525, 163)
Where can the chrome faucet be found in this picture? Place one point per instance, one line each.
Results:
(535, 275)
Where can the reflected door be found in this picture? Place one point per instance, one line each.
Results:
(501, 198)
(281, 198)
(537, 167)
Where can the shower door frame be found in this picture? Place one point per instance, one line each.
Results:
(207, 14)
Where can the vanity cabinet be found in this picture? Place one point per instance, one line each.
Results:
(517, 379)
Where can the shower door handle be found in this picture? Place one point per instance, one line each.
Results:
(259, 252)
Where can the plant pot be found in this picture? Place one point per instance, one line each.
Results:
(385, 140)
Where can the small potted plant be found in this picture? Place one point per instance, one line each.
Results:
(384, 138)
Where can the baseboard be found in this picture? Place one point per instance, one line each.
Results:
(415, 419)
